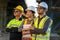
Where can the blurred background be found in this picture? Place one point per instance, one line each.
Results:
(6, 14)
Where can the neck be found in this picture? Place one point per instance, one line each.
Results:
(17, 18)
(30, 18)
(41, 15)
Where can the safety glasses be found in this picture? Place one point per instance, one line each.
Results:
(17, 11)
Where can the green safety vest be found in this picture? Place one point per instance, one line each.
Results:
(41, 25)
(14, 23)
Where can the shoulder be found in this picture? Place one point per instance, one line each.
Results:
(11, 20)
(50, 19)
(35, 18)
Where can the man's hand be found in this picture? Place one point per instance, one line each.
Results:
(31, 27)
(14, 29)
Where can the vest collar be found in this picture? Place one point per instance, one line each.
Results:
(42, 17)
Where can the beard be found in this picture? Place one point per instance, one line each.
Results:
(40, 13)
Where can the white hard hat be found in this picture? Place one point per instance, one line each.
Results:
(43, 4)
(32, 8)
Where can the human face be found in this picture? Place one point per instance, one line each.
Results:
(17, 13)
(40, 10)
(29, 13)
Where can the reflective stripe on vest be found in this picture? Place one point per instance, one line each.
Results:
(40, 36)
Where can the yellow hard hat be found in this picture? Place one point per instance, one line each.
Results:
(19, 7)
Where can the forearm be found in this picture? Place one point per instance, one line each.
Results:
(42, 31)
(12, 29)
(37, 31)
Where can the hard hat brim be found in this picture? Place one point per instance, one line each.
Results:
(17, 9)
(30, 10)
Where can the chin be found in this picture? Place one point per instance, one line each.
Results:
(39, 13)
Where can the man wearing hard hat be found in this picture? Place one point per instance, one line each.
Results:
(15, 23)
(28, 23)
(42, 24)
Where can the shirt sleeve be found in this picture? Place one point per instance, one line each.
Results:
(46, 25)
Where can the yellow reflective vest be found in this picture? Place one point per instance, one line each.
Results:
(41, 26)
(14, 23)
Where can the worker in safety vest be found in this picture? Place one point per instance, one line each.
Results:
(42, 23)
(28, 23)
(15, 23)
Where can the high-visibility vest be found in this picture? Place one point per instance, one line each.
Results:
(26, 21)
(14, 23)
(41, 26)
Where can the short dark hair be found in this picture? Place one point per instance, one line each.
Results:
(31, 11)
